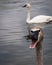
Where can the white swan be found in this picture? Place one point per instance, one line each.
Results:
(37, 19)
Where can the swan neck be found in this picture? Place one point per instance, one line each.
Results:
(28, 15)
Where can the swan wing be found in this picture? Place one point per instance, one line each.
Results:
(40, 19)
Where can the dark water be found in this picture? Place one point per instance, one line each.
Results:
(13, 46)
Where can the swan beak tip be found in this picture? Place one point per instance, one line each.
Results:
(24, 5)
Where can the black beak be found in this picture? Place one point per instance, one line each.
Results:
(24, 5)
(35, 34)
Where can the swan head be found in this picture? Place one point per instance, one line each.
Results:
(36, 37)
(27, 5)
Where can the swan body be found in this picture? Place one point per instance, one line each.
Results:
(40, 19)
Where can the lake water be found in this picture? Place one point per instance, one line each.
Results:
(14, 48)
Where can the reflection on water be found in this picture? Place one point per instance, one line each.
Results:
(13, 47)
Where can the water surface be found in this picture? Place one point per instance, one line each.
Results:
(14, 48)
